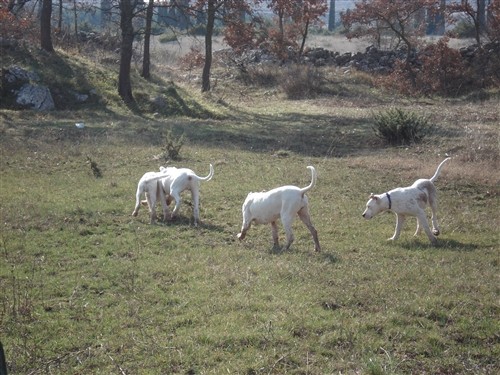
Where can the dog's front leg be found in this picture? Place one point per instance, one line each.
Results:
(274, 229)
(400, 220)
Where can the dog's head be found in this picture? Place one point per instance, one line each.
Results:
(373, 206)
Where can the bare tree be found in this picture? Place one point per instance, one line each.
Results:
(225, 9)
(475, 13)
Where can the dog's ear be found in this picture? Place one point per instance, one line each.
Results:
(373, 196)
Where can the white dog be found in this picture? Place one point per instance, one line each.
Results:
(166, 185)
(283, 202)
(409, 201)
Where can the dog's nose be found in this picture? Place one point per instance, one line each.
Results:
(363, 215)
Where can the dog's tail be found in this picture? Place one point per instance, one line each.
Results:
(158, 176)
(313, 180)
(438, 170)
(209, 176)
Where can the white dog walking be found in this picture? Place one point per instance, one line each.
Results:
(168, 184)
(409, 201)
(283, 202)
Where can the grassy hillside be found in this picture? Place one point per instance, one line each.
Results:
(87, 288)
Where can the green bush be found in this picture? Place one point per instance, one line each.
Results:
(398, 127)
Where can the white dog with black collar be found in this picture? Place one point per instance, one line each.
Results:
(409, 201)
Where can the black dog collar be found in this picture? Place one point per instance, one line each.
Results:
(389, 198)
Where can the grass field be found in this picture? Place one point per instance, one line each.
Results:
(86, 288)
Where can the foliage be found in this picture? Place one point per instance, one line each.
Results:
(19, 27)
(374, 18)
(293, 33)
(494, 21)
(193, 59)
(442, 70)
(399, 127)
(241, 35)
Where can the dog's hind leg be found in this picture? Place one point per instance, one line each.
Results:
(419, 228)
(196, 206)
(151, 199)
(137, 201)
(164, 201)
(435, 226)
(178, 200)
(287, 224)
(400, 220)
(274, 229)
(306, 219)
(424, 224)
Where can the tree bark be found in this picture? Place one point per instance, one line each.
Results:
(146, 60)
(208, 46)
(127, 32)
(331, 16)
(304, 37)
(45, 26)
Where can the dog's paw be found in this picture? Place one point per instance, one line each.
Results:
(240, 236)
(435, 232)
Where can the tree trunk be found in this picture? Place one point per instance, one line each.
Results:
(59, 21)
(304, 37)
(331, 16)
(45, 26)
(481, 14)
(146, 61)
(75, 14)
(208, 46)
(127, 31)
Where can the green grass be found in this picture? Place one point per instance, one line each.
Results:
(86, 288)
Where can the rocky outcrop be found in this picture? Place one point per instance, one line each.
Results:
(24, 89)
(372, 60)
(35, 96)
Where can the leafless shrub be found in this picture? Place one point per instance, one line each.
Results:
(265, 75)
(301, 81)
